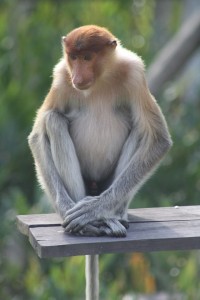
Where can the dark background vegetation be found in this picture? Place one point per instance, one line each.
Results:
(30, 34)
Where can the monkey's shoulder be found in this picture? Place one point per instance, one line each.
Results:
(130, 66)
(60, 67)
(61, 76)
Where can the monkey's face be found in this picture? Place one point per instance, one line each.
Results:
(83, 69)
(86, 49)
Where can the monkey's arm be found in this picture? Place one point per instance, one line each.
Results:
(147, 143)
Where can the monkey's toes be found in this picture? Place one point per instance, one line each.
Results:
(124, 223)
(117, 229)
(119, 233)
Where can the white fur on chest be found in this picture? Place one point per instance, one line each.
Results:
(98, 133)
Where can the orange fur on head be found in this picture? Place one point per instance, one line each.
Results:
(88, 38)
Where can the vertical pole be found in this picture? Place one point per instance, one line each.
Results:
(92, 277)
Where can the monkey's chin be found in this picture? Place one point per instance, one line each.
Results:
(83, 87)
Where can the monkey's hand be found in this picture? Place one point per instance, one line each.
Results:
(84, 212)
(88, 211)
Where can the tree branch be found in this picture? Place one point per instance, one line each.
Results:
(174, 55)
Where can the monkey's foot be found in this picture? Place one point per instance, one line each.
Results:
(114, 227)
(105, 227)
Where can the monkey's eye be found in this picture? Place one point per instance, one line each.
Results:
(87, 57)
(72, 56)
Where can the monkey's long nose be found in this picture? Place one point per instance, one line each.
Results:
(81, 83)
(77, 80)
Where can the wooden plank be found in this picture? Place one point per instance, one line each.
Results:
(165, 213)
(135, 215)
(24, 222)
(142, 237)
(151, 229)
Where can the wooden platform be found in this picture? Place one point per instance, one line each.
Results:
(151, 229)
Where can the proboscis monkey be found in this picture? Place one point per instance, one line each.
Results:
(99, 134)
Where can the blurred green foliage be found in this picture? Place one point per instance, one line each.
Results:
(30, 33)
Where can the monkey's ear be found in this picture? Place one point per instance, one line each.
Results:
(113, 43)
(63, 39)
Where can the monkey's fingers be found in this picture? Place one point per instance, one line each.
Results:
(78, 219)
(74, 213)
(76, 225)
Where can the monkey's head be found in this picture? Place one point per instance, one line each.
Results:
(88, 49)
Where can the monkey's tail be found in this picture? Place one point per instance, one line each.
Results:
(92, 277)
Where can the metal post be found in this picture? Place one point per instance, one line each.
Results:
(92, 277)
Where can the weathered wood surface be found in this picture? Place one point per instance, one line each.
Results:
(151, 229)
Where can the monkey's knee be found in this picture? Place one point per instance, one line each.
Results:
(33, 141)
(32, 137)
